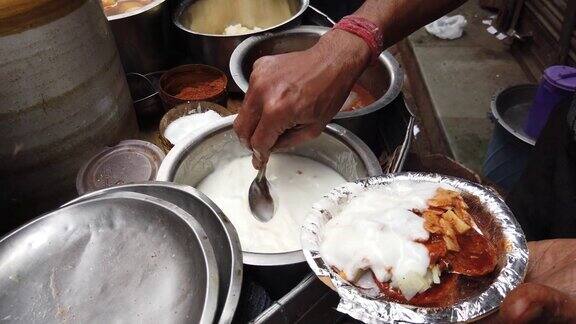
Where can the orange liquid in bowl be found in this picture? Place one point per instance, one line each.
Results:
(117, 7)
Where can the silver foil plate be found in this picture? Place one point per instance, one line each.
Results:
(511, 268)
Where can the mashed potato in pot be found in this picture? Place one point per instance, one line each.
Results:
(234, 17)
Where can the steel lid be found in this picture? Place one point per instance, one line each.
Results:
(126, 257)
(218, 228)
(131, 161)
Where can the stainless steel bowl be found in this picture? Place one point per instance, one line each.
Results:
(122, 257)
(510, 107)
(214, 49)
(190, 162)
(220, 232)
(142, 37)
(383, 80)
(145, 97)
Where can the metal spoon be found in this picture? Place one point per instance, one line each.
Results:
(259, 198)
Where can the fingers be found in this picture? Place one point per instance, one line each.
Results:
(533, 303)
(273, 105)
(289, 138)
(271, 125)
(249, 115)
(295, 136)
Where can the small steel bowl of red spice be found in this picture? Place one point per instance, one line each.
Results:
(193, 82)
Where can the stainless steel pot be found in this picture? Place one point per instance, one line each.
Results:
(190, 162)
(383, 80)
(63, 98)
(215, 50)
(142, 37)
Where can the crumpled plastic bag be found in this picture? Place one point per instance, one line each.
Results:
(447, 27)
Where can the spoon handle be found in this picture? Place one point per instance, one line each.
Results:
(261, 174)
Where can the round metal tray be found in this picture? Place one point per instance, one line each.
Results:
(121, 258)
(220, 231)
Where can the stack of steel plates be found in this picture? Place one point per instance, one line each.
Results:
(154, 252)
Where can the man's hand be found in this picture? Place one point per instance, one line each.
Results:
(549, 292)
(292, 97)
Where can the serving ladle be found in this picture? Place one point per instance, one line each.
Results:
(259, 197)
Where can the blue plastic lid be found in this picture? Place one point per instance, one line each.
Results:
(561, 76)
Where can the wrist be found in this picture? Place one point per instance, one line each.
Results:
(365, 29)
(347, 49)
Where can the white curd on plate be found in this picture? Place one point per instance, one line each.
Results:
(377, 230)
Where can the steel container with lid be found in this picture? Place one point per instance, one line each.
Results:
(63, 97)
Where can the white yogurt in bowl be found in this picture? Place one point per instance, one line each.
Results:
(198, 157)
(296, 183)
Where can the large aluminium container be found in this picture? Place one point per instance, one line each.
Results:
(63, 96)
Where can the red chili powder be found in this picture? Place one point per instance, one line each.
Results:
(202, 88)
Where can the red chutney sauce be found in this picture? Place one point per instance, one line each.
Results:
(358, 98)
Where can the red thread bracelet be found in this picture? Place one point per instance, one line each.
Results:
(364, 29)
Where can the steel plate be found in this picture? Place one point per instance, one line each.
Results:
(126, 257)
(220, 231)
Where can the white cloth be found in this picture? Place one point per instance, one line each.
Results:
(447, 27)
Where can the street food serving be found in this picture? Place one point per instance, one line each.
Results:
(404, 257)
(417, 242)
